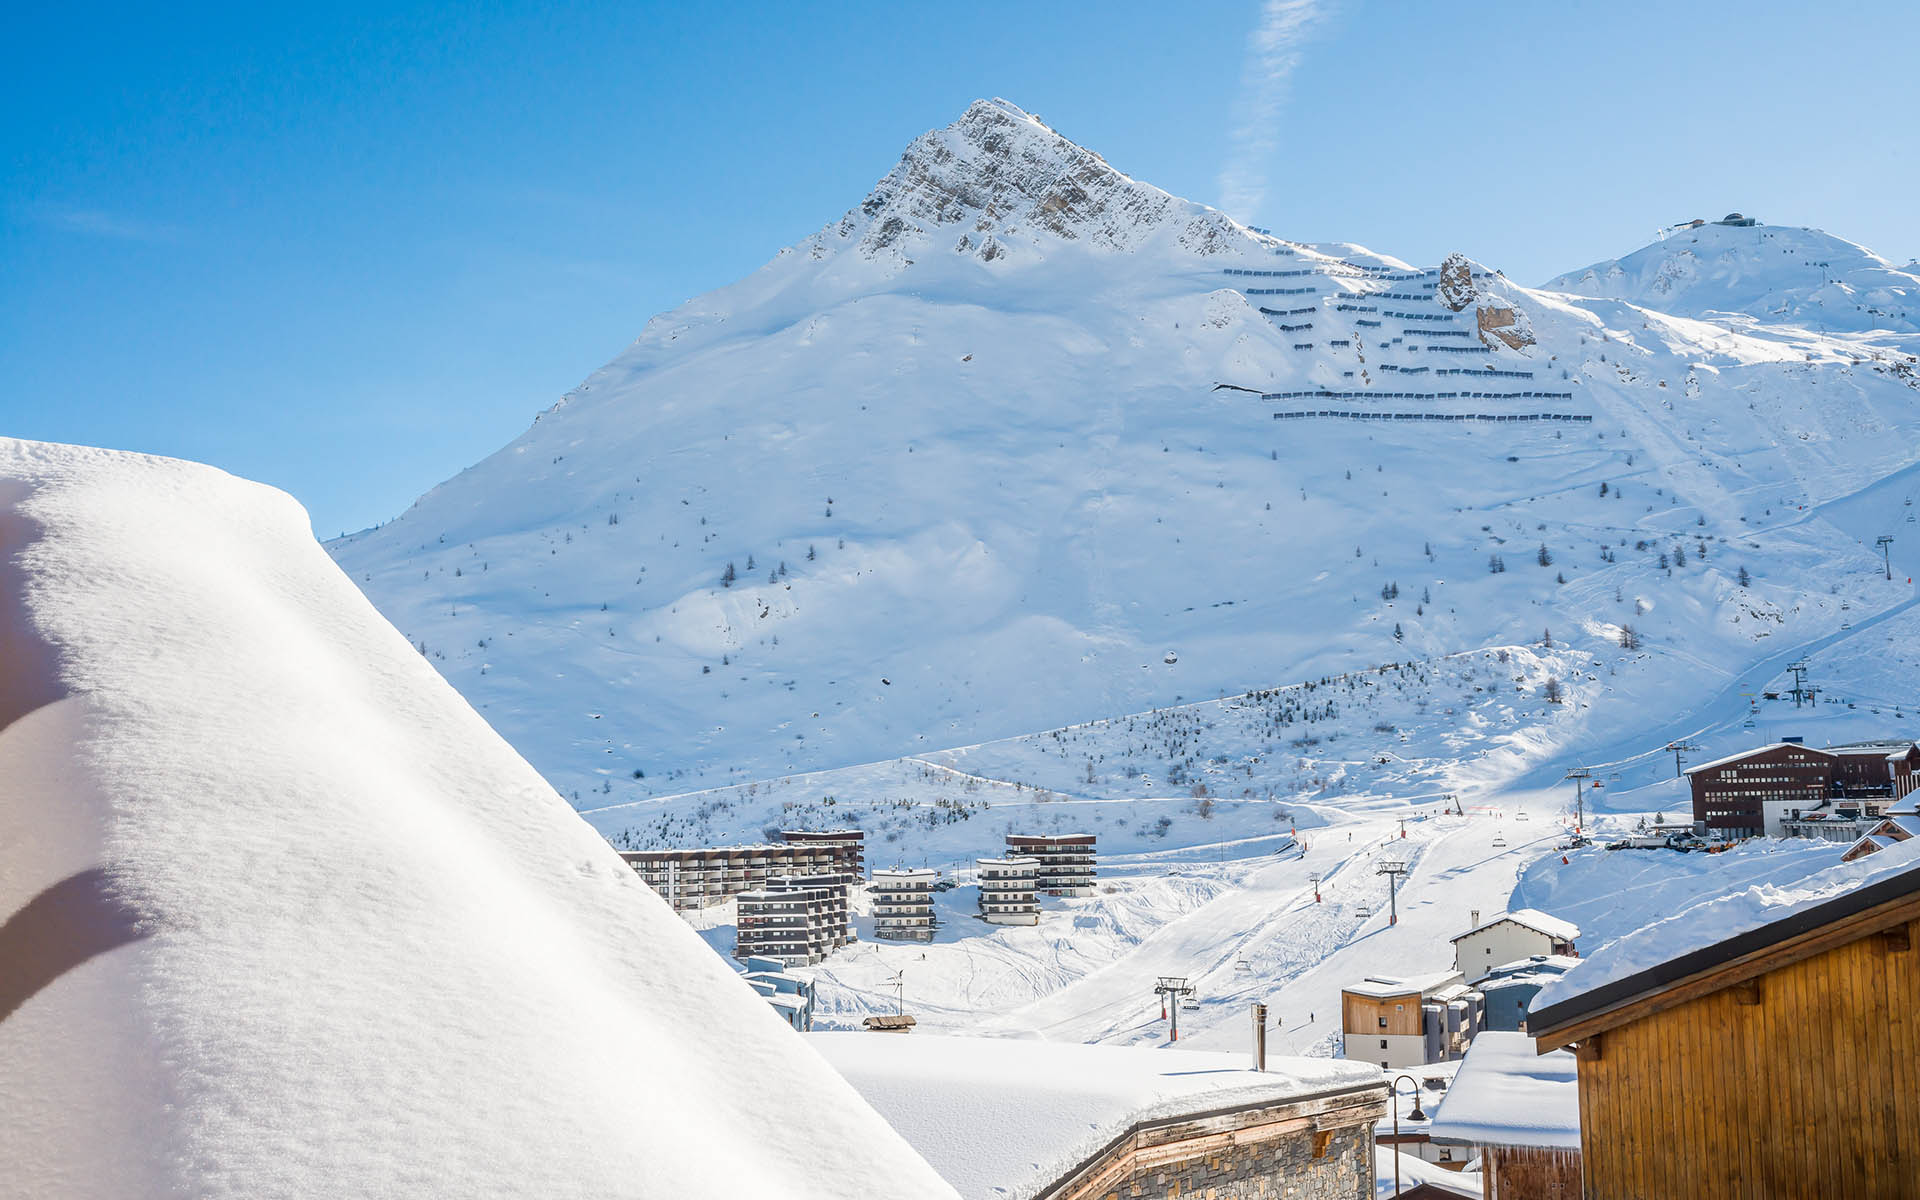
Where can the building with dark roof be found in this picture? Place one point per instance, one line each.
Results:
(1789, 789)
(1767, 1046)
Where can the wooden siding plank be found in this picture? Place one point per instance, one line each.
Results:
(1903, 1002)
(1812, 1091)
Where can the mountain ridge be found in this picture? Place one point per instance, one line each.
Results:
(860, 504)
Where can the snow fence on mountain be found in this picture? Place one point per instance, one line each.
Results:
(284, 917)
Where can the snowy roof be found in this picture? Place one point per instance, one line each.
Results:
(1440, 1076)
(307, 926)
(1003, 1119)
(1382, 986)
(1749, 753)
(1529, 971)
(1506, 1094)
(1532, 918)
(1721, 929)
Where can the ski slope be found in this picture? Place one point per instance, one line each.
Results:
(1027, 497)
(969, 458)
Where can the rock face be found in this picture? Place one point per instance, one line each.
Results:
(998, 177)
(1456, 289)
(1505, 324)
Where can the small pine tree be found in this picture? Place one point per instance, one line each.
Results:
(1554, 693)
(1397, 634)
(1545, 556)
(809, 552)
(1744, 579)
(728, 576)
(750, 562)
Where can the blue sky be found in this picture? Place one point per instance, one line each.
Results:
(350, 249)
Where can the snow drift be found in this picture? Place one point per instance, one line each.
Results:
(282, 916)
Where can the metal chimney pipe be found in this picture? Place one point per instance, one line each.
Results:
(1259, 1036)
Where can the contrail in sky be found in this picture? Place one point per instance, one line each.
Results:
(1273, 51)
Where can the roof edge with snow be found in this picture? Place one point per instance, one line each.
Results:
(1791, 937)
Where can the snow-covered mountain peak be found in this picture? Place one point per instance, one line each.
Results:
(999, 181)
(1775, 273)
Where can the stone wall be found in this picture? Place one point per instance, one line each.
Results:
(1321, 1151)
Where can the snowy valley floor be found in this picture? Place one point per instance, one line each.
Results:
(1240, 921)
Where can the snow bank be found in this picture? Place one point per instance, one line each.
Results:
(282, 915)
(1001, 1119)
(1713, 921)
(1507, 1095)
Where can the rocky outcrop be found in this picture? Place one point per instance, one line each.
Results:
(1456, 289)
(1497, 321)
(998, 178)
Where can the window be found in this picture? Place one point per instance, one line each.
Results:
(1384, 1066)
(1383, 1022)
(1383, 1043)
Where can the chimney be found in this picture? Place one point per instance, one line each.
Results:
(1259, 1036)
(1473, 918)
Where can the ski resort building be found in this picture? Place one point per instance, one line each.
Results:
(1901, 822)
(788, 994)
(848, 846)
(1519, 1111)
(1065, 861)
(1401, 1023)
(1007, 895)
(1509, 936)
(1025, 1120)
(1509, 989)
(1789, 789)
(902, 905)
(695, 878)
(1779, 1026)
(797, 920)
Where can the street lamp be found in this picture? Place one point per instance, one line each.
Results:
(1415, 1115)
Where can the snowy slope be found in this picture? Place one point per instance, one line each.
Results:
(1776, 274)
(283, 917)
(965, 454)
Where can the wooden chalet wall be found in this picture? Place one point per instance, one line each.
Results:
(1803, 1081)
(1519, 1173)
